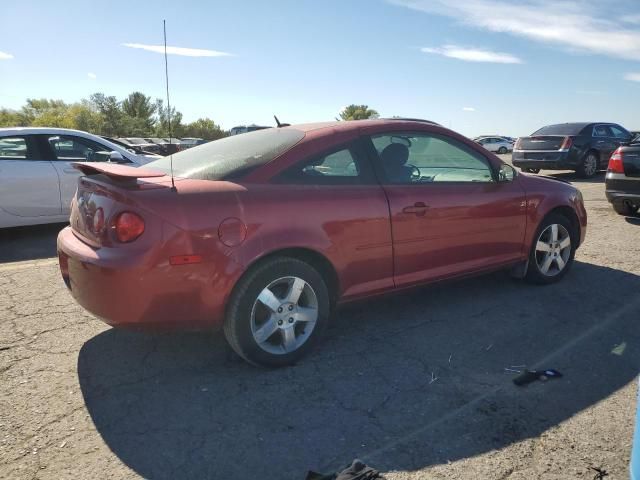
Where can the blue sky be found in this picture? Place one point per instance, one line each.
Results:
(479, 66)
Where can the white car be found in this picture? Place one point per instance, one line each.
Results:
(37, 180)
(495, 144)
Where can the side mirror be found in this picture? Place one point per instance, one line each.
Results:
(506, 173)
(116, 157)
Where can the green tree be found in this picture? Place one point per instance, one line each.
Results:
(12, 118)
(162, 122)
(111, 115)
(358, 112)
(41, 112)
(204, 128)
(140, 110)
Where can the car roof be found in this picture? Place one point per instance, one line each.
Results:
(356, 124)
(42, 130)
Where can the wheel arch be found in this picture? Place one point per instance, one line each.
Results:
(308, 255)
(570, 215)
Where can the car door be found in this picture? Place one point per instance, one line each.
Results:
(343, 201)
(63, 151)
(604, 142)
(29, 185)
(620, 135)
(449, 214)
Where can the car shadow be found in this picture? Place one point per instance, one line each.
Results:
(404, 382)
(29, 243)
(633, 220)
(573, 177)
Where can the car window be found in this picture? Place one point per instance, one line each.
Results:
(426, 158)
(340, 167)
(601, 131)
(69, 148)
(619, 132)
(14, 148)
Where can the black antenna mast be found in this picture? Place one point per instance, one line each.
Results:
(166, 77)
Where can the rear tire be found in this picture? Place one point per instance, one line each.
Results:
(589, 165)
(277, 312)
(625, 209)
(553, 250)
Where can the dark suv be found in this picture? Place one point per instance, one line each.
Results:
(583, 147)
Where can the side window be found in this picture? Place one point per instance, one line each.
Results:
(76, 149)
(423, 158)
(14, 148)
(619, 132)
(601, 131)
(340, 167)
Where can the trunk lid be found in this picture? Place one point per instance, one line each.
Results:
(542, 142)
(631, 160)
(106, 191)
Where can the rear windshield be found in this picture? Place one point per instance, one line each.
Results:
(230, 157)
(562, 129)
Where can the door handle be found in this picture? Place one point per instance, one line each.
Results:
(418, 208)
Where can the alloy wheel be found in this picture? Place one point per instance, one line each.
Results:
(590, 165)
(553, 250)
(284, 315)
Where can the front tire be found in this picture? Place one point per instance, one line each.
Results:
(277, 312)
(502, 150)
(589, 165)
(553, 250)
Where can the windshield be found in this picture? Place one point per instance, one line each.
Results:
(231, 156)
(562, 129)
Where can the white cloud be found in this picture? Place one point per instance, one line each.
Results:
(468, 109)
(5, 56)
(574, 24)
(633, 77)
(92, 76)
(472, 54)
(185, 52)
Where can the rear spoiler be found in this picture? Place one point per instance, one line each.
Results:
(116, 171)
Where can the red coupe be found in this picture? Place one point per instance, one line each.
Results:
(264, 233)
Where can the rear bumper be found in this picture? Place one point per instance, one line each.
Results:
(552, 160)
(140, 291)
(620, 188)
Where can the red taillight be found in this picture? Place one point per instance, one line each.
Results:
(566, 143)
(616, 164)
(128, 226)
(517, 144)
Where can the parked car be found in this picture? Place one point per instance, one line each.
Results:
(265, 232)
(246, 128)
(142, 144)
(190, 142)
(496, 144)
(130, 147)
(583, 147)
(622, 183)
(37, 179)
(167, 146)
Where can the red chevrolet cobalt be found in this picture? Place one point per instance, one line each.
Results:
(265, 232)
